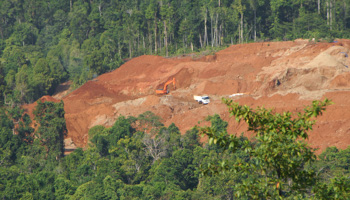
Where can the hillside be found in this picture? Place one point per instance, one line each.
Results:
(281, 75)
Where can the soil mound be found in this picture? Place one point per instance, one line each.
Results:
(283, 75)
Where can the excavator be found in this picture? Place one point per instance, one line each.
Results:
(165, 89)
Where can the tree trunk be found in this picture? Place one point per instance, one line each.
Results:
(155, 36)
(211, 31)
(165, 39)
(200, 40)
(160, 42)
(331, 14)
(255, 25)
(205, 28)
(327, 8)
(220, 35)
(150, 42)
(169, 34)
(130, 51)
(183, 41)
(143, 43)
(138, 40)
(241, 27)
(216, 29)
(319, 6)
(119, 50)
(100, 9)
(71, 5)
(239, 33)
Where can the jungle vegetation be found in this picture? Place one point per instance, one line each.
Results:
(46, 42)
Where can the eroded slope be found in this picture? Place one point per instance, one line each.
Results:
(284, 75)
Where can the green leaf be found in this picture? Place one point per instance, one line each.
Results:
(211, 141)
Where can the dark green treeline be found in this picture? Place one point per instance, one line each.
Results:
(46, 42)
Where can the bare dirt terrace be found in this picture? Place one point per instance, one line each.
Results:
(280, 75)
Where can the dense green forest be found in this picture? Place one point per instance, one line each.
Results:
(140, 158)
(46, 42)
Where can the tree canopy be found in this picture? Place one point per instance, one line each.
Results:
(140, 158)
(280, 161)
(43, 43)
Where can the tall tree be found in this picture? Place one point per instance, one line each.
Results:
(279, 155)
(79, 21)
(240, 9)
(319, 6)
(254, 6)
(22, 82)
(52, 127)
(166, 12)
(152, 15)
(204, 12)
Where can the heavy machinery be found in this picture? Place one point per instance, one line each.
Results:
(165, 89)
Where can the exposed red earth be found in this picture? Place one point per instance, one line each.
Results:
(281, 75)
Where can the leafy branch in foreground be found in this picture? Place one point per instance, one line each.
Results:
(279, 158)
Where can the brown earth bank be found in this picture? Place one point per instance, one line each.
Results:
(281, 75)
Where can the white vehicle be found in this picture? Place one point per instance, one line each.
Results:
(202, 99)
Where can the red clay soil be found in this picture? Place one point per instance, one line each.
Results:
(282, 75)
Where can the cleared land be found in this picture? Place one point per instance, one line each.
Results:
(280, 75)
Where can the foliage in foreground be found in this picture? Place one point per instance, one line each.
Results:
(140, 158)
(280, 161)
